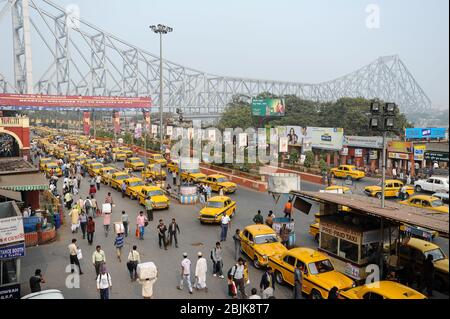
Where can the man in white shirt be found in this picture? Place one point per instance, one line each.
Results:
(238, 277)
(104, 283)
(224, 227)
(73, 254)
(185, 273)
(201, 269)
(254, 294)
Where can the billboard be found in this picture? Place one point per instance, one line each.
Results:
(364, 141)
(63, 102)
(400, 147)
(420, 133)
(326, 138)
(419, 151)
(268, 107)
(11, 230)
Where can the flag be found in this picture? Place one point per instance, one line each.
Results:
(116, 122)
(147, 121)
(87, 123)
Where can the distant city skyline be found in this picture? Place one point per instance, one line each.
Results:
(297, 41)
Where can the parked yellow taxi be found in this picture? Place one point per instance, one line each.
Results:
(156, 195)
(117, 179)
(319, 275)
(193, 176)
(134, 186)
(88, 161)
(216, 208)
(120, 155)
(43, 161)
(172, 167)
(414, 250)
(80, 158)
(127, 151)
(52, 166)
(381, 290)
(157, 159)
(259, 243)
(218, 182)
(94, 168)
(427, 202)
(347, 171)
(151, 172)
(135, 163)
(106, 174)
(392, 189)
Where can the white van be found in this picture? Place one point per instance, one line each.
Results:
(45, 294)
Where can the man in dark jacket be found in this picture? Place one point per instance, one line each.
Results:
(267, 279)
(173, 228)
(258, 219)
(428, 274)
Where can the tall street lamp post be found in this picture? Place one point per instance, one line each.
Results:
(161, 29)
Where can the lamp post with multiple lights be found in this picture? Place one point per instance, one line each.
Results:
(161, 29)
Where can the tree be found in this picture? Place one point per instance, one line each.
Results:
(237, 114)
(309, 159)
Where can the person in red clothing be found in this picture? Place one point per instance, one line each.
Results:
(90, 230)
(288, 209)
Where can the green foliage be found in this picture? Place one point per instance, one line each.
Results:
(309, 159)
(323, 165)
(293, 157)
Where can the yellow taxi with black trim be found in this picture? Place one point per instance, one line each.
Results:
(216, 208)
(426, 202)
(94, 168)
(319, 275)
(259, 243)
(119, 154)
(88, 161)
(117, 179)
(218, 182)
(381, 290)
(156, 195)
(127, 151)
(193, 176)
(134, 186)
(157, 159)
(135, 163)
(52, 165)
(151, 172)
(347, 171)
(43, 161)
(80, 158)
(172, 167)
(106, 173)
(392, 189)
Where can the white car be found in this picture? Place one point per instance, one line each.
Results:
(45, 294)
(433, 184)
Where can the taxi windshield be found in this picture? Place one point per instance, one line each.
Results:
(52, 166)
(120, 177)
(320, 267)
(436, 253)
(436, 203)
(214, 204)
(267, 238)
(222, 180)
(137, 183)
(135, 160)
(97, 165)
(156, 193)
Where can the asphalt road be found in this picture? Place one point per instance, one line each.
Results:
(53, 259)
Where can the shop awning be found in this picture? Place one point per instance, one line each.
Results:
(11, 195)
(395, 212)
(23, 182)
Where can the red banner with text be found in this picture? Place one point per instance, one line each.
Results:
(116, 122)
(87, 123)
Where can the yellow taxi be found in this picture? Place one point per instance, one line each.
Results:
(134, 186)
(347, 171)
(120, 155)
(218, 182)
(151, 172)
(414, 250)
(381, 290)
(80, 158)
(172, 167)
(156, 195)
(59, 152)
(106, 173)
(216, 208)
(319, 275)
(427, 202)
(94, 168)
(193, 176)
(72, 156)
(127, 151)
(392, 189)
(338, 189)
(100, 151)
(157, 159)
(52, 165)
(260, 242)
(43, 161)
(135, 163)
(117, 179)
(88, 161)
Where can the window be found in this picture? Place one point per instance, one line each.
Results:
(8, 272)
(246, 234)
(437, 181)
(437, 203)
(397, 185)
(425, 203)
(348, 250)
(416, 201)
(372, 296)
(250, 237)
(389, 185)
(430, 180)
(320, 267)
(289, 260)
(436, 253)
(267, 238)
(328, 243)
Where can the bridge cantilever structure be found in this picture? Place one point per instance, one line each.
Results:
(86, 60)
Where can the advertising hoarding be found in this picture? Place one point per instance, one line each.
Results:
(419, 151)
(327, 138)
(11, 230)
(364, 141)
(400, 147)
(420, 133)
(268, 107)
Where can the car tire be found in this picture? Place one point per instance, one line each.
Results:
(316, 295)
(418, 188)
(256, 263)
(279, 278)
(378, 195)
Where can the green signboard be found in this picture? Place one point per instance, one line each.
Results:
(268, 107)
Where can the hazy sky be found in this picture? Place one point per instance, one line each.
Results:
(292, 40)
